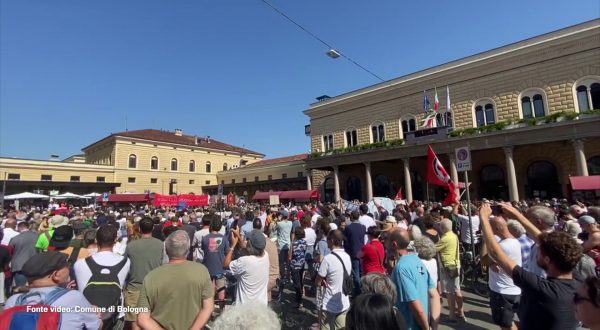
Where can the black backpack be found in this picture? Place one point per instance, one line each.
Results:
(104, 290)
(348, 283)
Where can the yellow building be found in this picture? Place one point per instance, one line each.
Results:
(525, 110)
(137, 161)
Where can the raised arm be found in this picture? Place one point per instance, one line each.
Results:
(513, 213)
(494, 249)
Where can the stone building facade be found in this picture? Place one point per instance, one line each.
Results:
(526, 110)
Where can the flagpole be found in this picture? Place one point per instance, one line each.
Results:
(469, 211)
(427, 191)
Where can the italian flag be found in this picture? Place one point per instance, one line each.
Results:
(436, 103)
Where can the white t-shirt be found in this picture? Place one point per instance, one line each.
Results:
(500, 282)
(334, 300)
(253, 279)
(465, 235)
(314, 219)
(8, 234)
(104, 258)
(310, 237)
(366, 221)
(432, 268)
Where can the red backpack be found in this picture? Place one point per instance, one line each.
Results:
(40, 316)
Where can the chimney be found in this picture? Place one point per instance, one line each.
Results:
(196, 139)
(55, 157)
(178, 132)
(208, 139)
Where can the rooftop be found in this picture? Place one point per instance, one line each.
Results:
(275, 161)
(177, 137)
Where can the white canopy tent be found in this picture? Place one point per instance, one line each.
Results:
(92, 195)
(68, 195)
(25, 195)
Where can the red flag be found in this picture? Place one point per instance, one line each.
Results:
(437, 175)
(399, 194)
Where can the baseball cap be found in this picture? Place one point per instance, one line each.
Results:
(43, 264)
(284, 213)
(257, 239)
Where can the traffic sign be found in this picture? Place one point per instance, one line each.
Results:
(463, 159)
(105, 197)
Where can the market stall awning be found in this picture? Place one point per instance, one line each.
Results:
(126, 198)
(591, 182)
(68, 195)
(264, 195)
(299, 195)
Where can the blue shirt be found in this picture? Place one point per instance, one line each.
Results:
(247, 228)
(412, 283)
(526, 244)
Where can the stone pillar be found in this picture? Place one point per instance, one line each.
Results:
(407, 181)
(368, 181)
(308, 180)
(453, 171)
(336, 183)
(582, 169)
(513, 189)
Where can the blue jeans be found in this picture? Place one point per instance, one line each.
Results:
(356, 275)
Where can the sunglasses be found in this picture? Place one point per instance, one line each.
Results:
(577, 299)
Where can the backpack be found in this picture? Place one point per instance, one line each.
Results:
(18, 317)
(104, 290)
(348, 282)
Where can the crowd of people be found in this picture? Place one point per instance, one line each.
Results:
(166, 268)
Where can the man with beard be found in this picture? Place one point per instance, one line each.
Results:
(550, 297)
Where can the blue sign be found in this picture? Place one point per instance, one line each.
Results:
(105, 197)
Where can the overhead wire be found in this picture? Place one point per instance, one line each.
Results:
(284, 15)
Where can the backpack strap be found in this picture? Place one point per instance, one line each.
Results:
(340, 259)
(74, 255)
(47, 298)
(95, 268)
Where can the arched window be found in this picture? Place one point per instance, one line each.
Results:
(353, 188)
(382, 186)
(542, 180)
(192, 166)
(377, 132)
(351, 137)
(594, 165)
(444, 119)
(174, 164)
(208, 167)
(485, 113)
(328, 142)
(224, 166)
(408, 124)
(587, 93)
(533, 104)
(154, 163)
(132, 161)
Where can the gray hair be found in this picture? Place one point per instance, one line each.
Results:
(543, 213)
(516, 228)
(425, 248)
(177, 244)
(236, 317)
(379, 283)
(446, 225)
(573, 228)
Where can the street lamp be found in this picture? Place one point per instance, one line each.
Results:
(333, 53)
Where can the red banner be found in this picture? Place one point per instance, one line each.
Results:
(175, 200)
(231, 199)
(436, 174)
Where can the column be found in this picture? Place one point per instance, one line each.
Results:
(368, 181)
(513, 189)
(308, 180)
(407, 181)
(453, 171)
(336, 183)
(580, 159)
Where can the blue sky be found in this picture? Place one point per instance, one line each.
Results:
(72, 71)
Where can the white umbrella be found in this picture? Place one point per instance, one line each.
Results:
(25, 195)
(67, 195)
(92, 195)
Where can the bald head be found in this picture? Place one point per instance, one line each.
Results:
(500, 227)
(398, 239)
(420, 211)
(11, 223)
